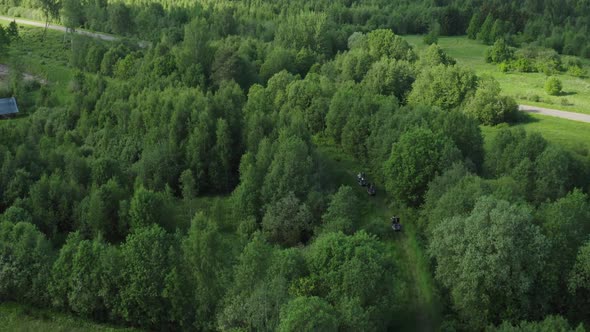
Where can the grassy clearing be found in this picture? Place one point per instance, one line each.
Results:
(48, 60)
(572, 135)
(19, 318)
(526, 88)
(422, 309)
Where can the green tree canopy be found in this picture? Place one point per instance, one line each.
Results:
(491, 261)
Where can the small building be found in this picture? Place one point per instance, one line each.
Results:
(8, 108)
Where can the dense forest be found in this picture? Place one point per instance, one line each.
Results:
(184, 185)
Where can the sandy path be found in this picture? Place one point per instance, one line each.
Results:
(560, 114)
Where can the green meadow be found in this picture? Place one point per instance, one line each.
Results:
(526, 88)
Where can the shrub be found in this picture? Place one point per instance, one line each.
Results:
(553, 86)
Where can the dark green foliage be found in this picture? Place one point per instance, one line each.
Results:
(289, 171)
(148, 208)
(287, 222)
(414, 162)
(549, 324)
(491, 261)
(485, 32)
(343, 213)
(474, 26)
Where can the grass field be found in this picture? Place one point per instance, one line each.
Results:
(572, 135)
(17, 318)
(522, 86)
(47, 60)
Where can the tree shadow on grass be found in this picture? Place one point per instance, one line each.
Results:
(567, 93)
(523, 118)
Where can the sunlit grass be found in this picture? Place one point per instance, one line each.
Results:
(524, 87)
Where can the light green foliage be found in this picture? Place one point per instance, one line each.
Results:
(353, 269)
(384, 43)
(287, 221)
(308, 314)
(390, 77)
(261, 286)
(446, 87)
(84, 277)
(204, 251)
(553, 86)
(500, 52)
(580, 276)
(433, 56)
(414, 161)
(491, 261)
(145, 264)
(308, 29)
(25, 264)
(488, 106)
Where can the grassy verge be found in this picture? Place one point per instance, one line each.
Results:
(18, 318)
(526, 88)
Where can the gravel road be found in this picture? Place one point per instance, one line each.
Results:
(560, 114)
(60, 28)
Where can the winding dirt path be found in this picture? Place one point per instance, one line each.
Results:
(556, 113)
(97, 35)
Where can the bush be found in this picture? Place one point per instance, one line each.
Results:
(553, 86)
(499, 53)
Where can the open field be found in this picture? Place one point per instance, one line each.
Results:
(526, 88)
(47, 60)
(574, 136)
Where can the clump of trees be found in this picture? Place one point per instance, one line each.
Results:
(553, 86)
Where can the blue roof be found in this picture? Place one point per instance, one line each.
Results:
(8, 106)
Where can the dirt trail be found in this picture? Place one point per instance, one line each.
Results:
(60, 28)
(97, 35)
(556, 113)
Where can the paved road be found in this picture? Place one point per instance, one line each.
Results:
(60, 28)
(560, 114)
